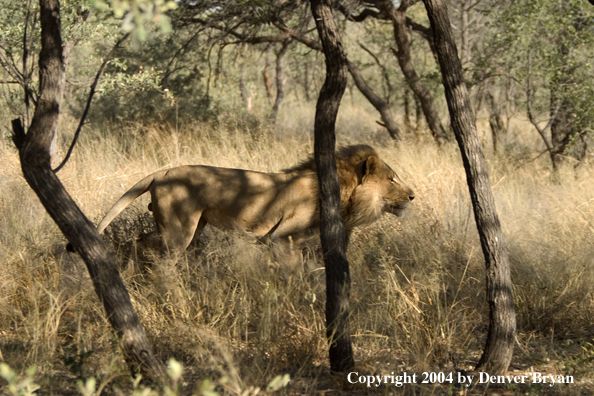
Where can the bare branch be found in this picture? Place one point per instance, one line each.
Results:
(367, 12)
(90, 98)
(384, 71)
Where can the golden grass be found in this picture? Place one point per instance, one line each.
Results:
(229, 311)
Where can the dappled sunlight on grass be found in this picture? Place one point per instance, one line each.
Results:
(236, 310)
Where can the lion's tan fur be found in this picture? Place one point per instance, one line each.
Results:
(275, 205)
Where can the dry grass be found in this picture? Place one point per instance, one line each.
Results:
(231, 312)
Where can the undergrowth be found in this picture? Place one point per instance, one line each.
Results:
(237, 316)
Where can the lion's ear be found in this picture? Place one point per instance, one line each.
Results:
(372, 165)
(367, 167)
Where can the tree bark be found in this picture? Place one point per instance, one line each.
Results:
(306, 82)
(34, 149)
(502, 318)
(381, 105)
(422, 93)
(332, 230)
(464, 31)
(496, 122)
(247, 99)
(406, 104)
(267, 81)
(280, 79)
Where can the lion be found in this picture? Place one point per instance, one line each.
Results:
(274, 206)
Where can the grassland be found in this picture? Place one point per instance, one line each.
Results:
(232, 313)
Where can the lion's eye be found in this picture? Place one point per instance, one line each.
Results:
(393, 180)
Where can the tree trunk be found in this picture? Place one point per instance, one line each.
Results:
(497, 126)
(406, 104)
(374, 99)
(332, 230)
(398, 17)
(377, 102)
(306, 82)
(267, 81)
(280, 79)
(464, 32)
(35, 162)
(247, 99)
(502, 318)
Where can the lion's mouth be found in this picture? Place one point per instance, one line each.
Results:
(397, 209)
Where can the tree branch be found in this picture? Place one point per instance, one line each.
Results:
(89, 99)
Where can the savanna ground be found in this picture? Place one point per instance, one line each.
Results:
(236, 317)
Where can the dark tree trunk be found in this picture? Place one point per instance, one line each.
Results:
(280, 79)
(563, 130)
(35, 162)
(332, 230)
(422, 93)
(502, 318)
(418, 112)
(381, 105)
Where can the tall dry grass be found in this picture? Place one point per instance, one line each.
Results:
(234, 312)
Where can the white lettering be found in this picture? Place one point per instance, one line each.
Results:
(483, 378)
(349, 376)
(465, 379)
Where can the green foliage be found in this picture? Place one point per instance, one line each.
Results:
(154, 82)
(548, 43)
(92, 26)
(135, 14)
(81, 24)
(18, 385)
(24, 385)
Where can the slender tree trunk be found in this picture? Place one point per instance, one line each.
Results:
(34, 149)
(502, 318)
(370, 95)
(332, 230)
(406, 100)
(247, 99)
(398, 17)
(267, 80)
(306, 82)
(418, 112)
(280, 79)
(465, 31)
(381, 105)
(497, 126)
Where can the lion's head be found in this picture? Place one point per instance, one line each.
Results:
(368, 186)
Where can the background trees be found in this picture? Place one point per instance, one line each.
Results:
(545, 50)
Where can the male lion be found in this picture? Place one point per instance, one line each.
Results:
(274, 205)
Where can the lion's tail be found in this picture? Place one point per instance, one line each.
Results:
(136, 191)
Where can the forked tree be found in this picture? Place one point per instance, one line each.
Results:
(332, 231)
(499, 346)
(34, 149)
